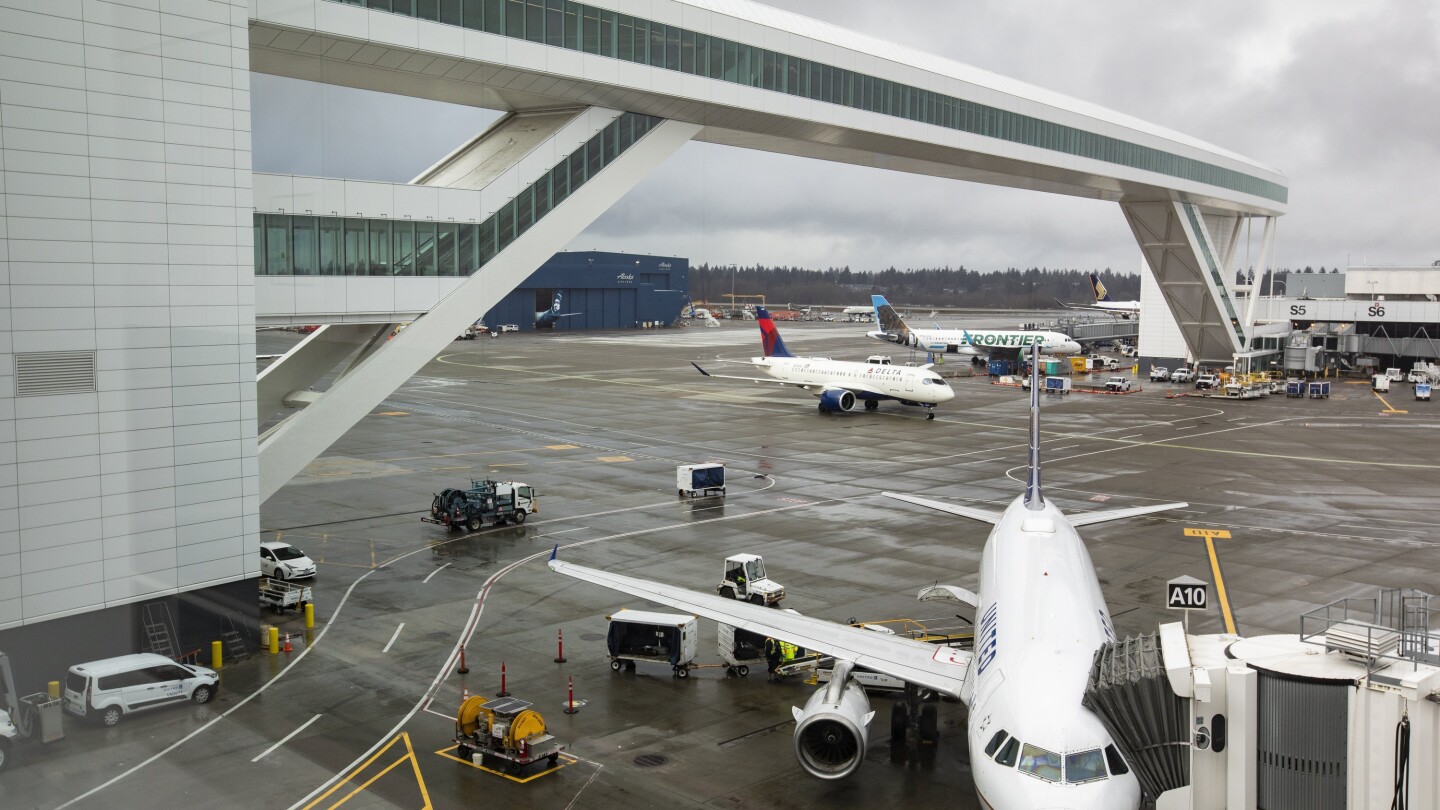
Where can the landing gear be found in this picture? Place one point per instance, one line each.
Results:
(930, 416)
(872, 404)
(899, 722)
(912, 711)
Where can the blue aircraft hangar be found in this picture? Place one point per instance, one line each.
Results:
(597, 291)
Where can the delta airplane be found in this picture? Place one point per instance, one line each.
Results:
(548, 317)
(841, 383)
(1041, 617)
(964, 341)
(1103, 302)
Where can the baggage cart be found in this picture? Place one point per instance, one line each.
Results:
(1320, 389)
(1057, 385)
(1295, 388)
(740, 649)
(280, 595)
(700, 479)
(661, 638)
(1422, 391)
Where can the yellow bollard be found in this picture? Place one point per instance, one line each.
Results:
(217, 655)
(309, 615)
(54, 689)
(274, 640)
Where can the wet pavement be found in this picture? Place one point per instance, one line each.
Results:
(1323, 499)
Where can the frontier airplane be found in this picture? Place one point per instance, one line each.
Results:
(1041, 619)
(841, 383)
(964, 341)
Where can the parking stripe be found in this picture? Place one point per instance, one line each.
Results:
(286, 738)
(392, 638)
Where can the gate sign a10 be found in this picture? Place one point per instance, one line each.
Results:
(1187, 593)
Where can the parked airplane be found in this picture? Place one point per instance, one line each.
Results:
(549, 317)
(840, 384)
(1041, 619)
(1103, 302)
(964, 341)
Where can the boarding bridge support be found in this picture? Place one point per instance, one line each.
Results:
(286, 382)
(303, 436)
(1190, 251)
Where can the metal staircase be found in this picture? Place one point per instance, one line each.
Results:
(159, 637)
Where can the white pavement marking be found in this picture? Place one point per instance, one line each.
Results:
(286, 739)
(392, 638)
(426, 580)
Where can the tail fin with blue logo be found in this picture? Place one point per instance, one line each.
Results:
(770, 336)
(1098, 289)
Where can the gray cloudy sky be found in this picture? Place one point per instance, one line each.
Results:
(1343, 97)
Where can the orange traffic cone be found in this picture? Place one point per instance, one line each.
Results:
(464, 694)
(287, 642)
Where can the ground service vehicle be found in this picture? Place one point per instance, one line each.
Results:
(279, 595)
(1206, 382)
(662, 638)
(1181, 375)
(505, 732)
(283, 561)
(700, 479)
(1057, 385)
(1159, 374)
(109, 689)
(1117, 384)
(745, 580)
(1422, 391)
(1380, 383)
(495, 502)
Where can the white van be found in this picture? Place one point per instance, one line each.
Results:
(110, 689)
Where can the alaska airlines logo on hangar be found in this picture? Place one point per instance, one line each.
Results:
(623, 277)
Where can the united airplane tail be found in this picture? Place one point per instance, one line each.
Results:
(1034, 501)
(770, 336)
(1097, 287)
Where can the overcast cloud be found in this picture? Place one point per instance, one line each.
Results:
(1342, 97)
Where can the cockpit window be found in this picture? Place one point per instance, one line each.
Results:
(1040, 763)
(924, 380)
(1007, 754)
(937, 381)
(1084, 766)
(994, 744)
(1117, 762)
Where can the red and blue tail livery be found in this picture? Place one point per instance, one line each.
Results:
(770, 336)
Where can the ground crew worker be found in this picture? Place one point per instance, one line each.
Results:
(772, 655)
(788, 651)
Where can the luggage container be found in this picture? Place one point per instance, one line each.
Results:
(999, 368)
(700, 479)
(1380, 384)
(740, 648)
(1320, 389)
(1054, 368)
(1422, 391)
(1295, 388)
(661, 638)
(1057, 385)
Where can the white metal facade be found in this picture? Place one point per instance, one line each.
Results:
(125, 141)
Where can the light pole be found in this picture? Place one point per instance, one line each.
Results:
(734, 271)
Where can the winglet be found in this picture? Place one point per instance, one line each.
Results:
(554, 552)
(701, 370)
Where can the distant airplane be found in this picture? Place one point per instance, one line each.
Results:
(549, 317)
(1103, 302)
(840, 384)
(1033, 744)
(964, 341)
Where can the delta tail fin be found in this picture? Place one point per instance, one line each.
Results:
(770, 336)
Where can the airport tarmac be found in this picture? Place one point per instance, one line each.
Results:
(1322, 499)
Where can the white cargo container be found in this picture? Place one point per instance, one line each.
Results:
(700, 479)
(663, 638)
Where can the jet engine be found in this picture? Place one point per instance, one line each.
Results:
(835, 400)
(830, 732)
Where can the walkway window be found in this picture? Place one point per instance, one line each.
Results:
(258, 222)
(277, 245)
(357, 252)
(572, 25)
(403, 252)
(379, 247)
(305, 246)
(332, 259)
(625, 37)
(555, 23)
(445, 250)
(450, 12)
(591, 29)
(465, 252)
(425, 248)
(515, 19)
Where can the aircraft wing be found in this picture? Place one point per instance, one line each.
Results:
(1079, 519)
(982, 515)
(858, 389)
(939, 668)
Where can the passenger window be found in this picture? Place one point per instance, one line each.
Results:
(1007, 754)
(1116, 762)
(1040, 763)
(995, 742)
(165, 674)
(1084, 766)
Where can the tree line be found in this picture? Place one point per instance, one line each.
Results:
(1013, 288)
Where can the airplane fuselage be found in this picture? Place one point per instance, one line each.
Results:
(1040, 620)
(906, 383)
(981, 341)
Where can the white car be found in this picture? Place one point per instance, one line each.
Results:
(1117, 384)
(1182, 374)
(284, 561)
(1159, 374)
(509, 327)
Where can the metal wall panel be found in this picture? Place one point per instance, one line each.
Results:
(1302, 748)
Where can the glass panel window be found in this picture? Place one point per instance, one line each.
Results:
(591, 37)
(403, 255)
(515, 19)
(1115, 761)
(406, 7)
(535, 21)
(731, 59)
(767, 76)
(450, 12)
(555, 23)
(607, 33)
(505, 226)
(1084, 766)
(494, 20)
(577, 169)
(379, 5)
(465, 252)
(445, 250)
(357, 250)
(542, 196)
(305, 257)
(259, 225)
(994, 744)
(425, 248)
(427, 9)
(687, 52)
(572, 25)
(1008, 753)
(672, 48)
(625, 37)
(483, 244)
(717, 57)
(379, 247)
(559, 183)
(524, 211)
(1040, 763)
(657, 45)
(642, 42)
(277, 245)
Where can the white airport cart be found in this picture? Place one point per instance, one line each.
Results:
(279, 595)
(661, 638)
(700, 479)
(1422, 391)
(739, 649)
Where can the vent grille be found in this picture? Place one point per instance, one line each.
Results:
(43, 373)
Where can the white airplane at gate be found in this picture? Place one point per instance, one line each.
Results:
(841, 384)
(1104, 303)
(893, 329)
(1040, 619)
